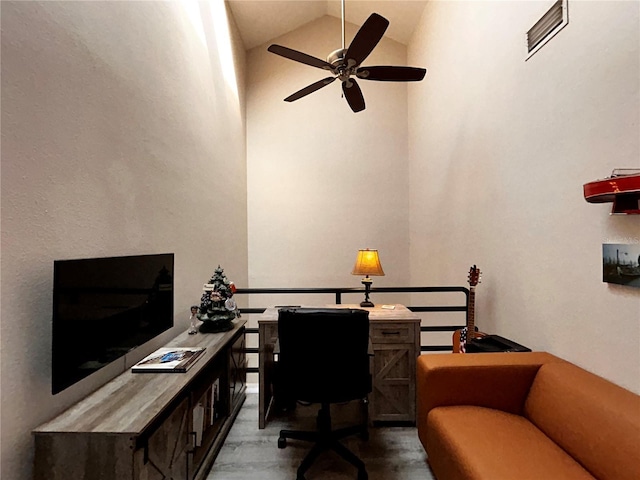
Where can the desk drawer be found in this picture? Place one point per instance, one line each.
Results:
(392, 332)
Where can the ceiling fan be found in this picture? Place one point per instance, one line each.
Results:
(345, 63)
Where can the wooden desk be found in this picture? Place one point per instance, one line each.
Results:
(395, 335)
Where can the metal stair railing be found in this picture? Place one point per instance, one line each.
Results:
(338, 293)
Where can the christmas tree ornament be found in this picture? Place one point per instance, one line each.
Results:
(193, 325)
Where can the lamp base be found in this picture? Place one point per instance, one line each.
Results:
(366, 281)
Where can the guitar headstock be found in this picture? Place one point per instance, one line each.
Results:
(475, 275)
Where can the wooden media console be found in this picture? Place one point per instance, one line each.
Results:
(143, 426)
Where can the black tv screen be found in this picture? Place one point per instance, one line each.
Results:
(105, 307)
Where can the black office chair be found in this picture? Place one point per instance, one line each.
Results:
(324, 358)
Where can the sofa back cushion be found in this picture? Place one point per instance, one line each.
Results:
(594, 420)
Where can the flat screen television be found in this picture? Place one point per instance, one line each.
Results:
(105, 307)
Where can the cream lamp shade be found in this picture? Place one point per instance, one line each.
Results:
(367, 263)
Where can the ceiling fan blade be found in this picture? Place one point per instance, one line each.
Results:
(297, 56)
(309, 89)
(353, 94)
(391, 74)
(366, 39)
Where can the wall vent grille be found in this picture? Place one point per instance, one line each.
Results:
(545, 28)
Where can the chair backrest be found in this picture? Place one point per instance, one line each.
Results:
(324, 354)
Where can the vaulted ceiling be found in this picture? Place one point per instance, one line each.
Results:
(259, 21)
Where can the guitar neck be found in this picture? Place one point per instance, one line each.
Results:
(471, 314)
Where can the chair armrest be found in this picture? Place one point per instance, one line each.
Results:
(493, 380)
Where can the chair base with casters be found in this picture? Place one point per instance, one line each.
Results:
(327, 439)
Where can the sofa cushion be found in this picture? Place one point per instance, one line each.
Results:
(494, 380)
(472, 443)
(594, 420)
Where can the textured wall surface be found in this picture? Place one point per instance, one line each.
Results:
(324, 181)
(499, 150)
(122, 133)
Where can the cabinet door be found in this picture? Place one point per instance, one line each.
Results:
(237, 371)
(82, 456)
(393, 395)
(165, 456)
(268, 336)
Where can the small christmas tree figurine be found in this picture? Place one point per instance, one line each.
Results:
(217, 306)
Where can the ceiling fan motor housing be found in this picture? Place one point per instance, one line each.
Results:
(336, 57)
(342, 67)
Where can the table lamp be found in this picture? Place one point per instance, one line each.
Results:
(367, 263)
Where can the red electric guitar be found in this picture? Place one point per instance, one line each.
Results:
(622, 188)
(462, 336)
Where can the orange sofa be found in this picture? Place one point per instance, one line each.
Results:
(524, 416)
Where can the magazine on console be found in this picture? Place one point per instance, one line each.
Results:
(169, 360)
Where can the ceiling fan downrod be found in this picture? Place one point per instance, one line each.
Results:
(336, 58)
(343, 25)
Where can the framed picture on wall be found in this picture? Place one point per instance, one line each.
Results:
(621, 264)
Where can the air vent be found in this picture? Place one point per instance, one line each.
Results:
(545, 28)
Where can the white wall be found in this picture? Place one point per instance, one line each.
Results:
(122, 133)
(499, 151)
(322, 180)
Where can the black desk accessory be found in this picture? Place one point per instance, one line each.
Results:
(494, 343)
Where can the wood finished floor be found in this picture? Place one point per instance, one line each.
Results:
(391, 453)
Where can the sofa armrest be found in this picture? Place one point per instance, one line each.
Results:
(494, 380)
